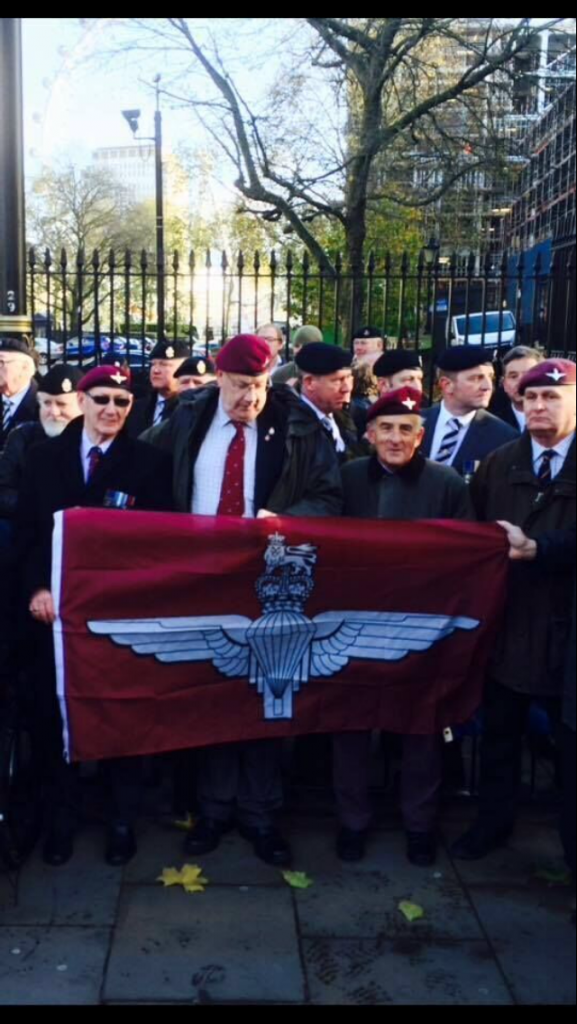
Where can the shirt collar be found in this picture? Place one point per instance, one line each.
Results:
(322, 416)
(465, 420)
(87, 444)
(561, 449)
(222, 418)
(17, 399)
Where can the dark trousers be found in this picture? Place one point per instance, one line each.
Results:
(241, 777)
(505, 720)
(569, 770)
(60, 782)
(421, 775)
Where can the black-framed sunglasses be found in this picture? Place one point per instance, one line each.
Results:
(118, 401)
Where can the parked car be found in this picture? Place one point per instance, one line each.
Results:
(49, 352)
(132, 346)
(85, 347)
(494, 319)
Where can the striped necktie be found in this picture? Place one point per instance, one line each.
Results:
(449, 442)
(330, 425)
(159, 411)
(7, 414)
(544, 476)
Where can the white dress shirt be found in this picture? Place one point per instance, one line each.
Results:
(210, 465)
(15, 400)
(86, 446)
(328, 421)
(520, 417)
(441, 429)
(561, 451)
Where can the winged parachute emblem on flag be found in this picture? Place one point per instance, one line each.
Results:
(283, 649)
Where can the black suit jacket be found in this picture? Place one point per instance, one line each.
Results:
(142, 413)
(502, 407)
(26, 411)
(485, 434)
(54, 480)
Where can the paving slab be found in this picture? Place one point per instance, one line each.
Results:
(221, 945)
(83, 892)
(533, 939)
(361, 900)
(233, 863)
(54, 966)
(345, 972)
(531, 847)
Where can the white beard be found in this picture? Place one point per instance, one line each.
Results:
(52, 429)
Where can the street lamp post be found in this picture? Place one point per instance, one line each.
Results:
(430, 253)
(132, 117)
(13, 319)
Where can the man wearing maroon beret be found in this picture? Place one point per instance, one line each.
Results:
(91, 460)
(397, 482)
(247, 449)
(530, 484)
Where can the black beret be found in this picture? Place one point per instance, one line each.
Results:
(16, 345)
(464, 357)
(321, 359)
(170, 350)
(396, 360)
(368, 331)
(114, 359)
(196, 366)
(61, 380)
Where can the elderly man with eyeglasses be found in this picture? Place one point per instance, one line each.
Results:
(250, 450)
(93, 458)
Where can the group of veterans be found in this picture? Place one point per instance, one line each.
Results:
(250, 435)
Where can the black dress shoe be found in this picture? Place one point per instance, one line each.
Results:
(268, 844)
(120, 845)
(351, 843)
(205, 836)
(478, 842)
(58, 848)
(421, 848)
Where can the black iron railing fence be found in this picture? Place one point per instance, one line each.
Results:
(83, 306)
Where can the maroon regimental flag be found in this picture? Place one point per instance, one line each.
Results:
(182, 631)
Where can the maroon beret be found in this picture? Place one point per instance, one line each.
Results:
(400, 402)
(551, 373)
(105, 377)
(247, 354)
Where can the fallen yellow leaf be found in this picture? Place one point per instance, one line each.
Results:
(190, 877)
(185, 825)
(412, 911)
(169, 876)
(297, 879)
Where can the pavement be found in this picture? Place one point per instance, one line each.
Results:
(494, 932)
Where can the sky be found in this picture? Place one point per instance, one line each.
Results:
(72, 105)
(73, 98)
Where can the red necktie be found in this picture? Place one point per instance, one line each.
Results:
(94, 456)
(232, 493)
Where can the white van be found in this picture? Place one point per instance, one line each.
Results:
(457, 328)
